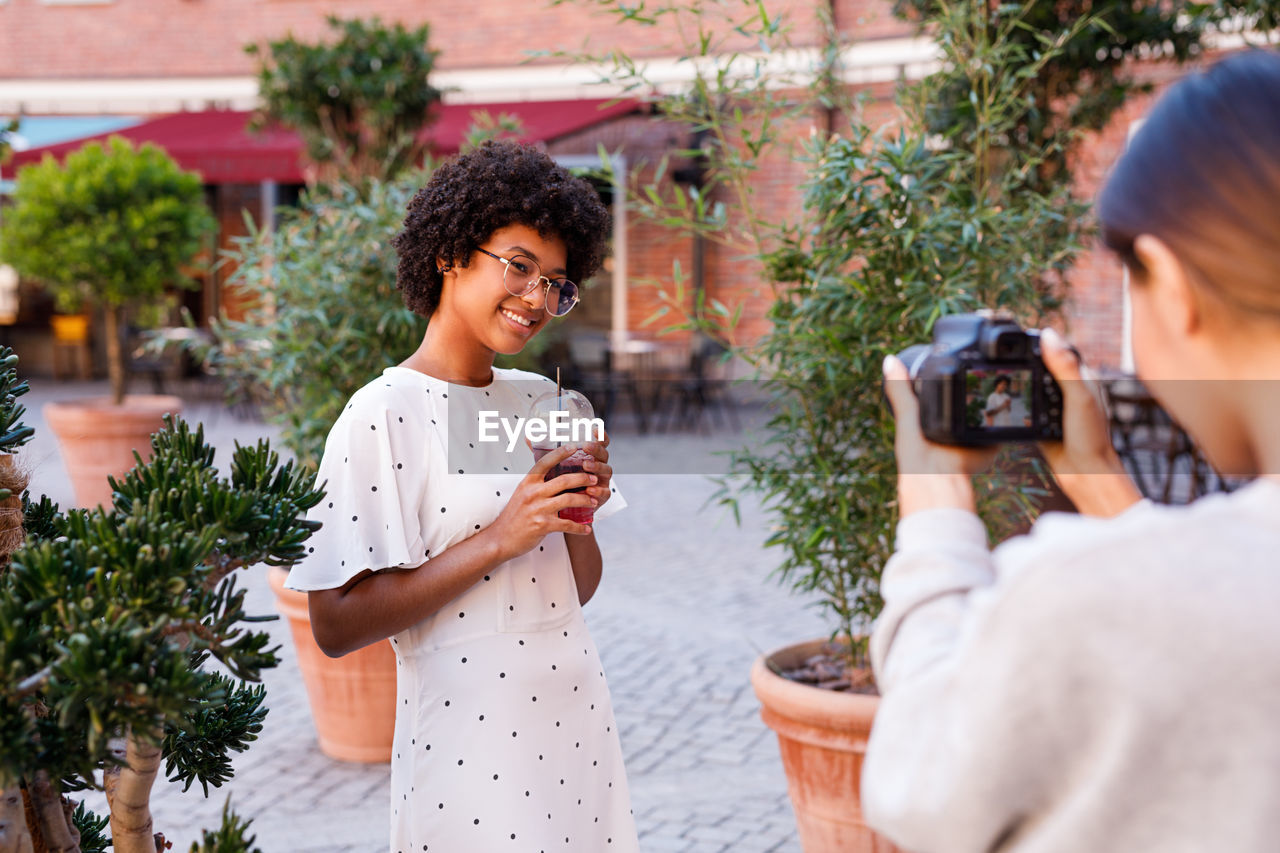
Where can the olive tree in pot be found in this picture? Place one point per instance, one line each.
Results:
(323, 316)
(117, 225)
(108, 618)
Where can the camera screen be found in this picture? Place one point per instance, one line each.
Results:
(997, 398)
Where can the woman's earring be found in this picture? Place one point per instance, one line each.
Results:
(444, 269)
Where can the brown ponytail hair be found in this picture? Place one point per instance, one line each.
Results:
(1202, 174)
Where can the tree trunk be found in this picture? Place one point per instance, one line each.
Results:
(54, 832)
(14, 835)
(13, 477)
(129, 796)
(115, 354)
(32, 820)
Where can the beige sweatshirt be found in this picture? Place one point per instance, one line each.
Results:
(1098, 685)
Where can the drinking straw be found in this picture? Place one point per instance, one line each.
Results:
(559, 395)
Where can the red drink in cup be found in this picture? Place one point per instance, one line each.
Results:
(576, 408)
(572, 465)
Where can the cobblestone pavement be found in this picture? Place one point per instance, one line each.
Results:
(685, 606)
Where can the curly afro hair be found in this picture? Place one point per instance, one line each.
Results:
(500, 183)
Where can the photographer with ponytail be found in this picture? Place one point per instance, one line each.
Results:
(1111, 681)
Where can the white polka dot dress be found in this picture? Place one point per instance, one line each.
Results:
(505, 738)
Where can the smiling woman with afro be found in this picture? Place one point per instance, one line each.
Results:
(474, 555)
(498, 184)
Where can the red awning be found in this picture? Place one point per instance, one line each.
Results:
(217, 145)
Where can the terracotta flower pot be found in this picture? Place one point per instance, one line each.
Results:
(353, 698)
(98, 438)
(823, 737)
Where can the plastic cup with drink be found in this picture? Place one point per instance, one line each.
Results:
(561, 411)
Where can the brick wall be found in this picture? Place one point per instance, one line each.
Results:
(182, 38)
(1094, 312)
(869, 19)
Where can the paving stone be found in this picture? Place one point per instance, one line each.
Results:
(652, 843)
(717, 834)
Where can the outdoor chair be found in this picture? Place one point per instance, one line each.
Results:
(1161, 458)
(701, 387)
(151, 355)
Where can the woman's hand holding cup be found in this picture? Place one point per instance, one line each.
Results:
(533, 511)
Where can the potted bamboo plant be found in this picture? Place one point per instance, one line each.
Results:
(905, 239)
(107, 620)
(906, 230)
(937, 217)
(117, 225)
(966, 205)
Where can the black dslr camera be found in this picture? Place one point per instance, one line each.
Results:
(982, 382)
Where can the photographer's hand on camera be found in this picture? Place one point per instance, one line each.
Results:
(1084, 463)
(531, 513)
(930, 475)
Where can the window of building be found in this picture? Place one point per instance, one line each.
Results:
(605, 304)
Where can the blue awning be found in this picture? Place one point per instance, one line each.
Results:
(39, 131)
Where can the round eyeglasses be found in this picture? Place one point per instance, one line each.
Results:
(522, 275)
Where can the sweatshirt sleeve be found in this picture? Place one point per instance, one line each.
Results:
(952, 759)
(941, 555)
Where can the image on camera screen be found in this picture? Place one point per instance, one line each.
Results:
(997, 398)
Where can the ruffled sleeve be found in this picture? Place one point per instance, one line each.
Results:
(374, 473)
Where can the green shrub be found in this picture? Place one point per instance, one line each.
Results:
(7, 129)
(113, 224)
(107, 621)
(358, 101)
(901, 228)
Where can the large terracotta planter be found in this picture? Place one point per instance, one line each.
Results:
(353, 698)
(98, 438)
(823, 737)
